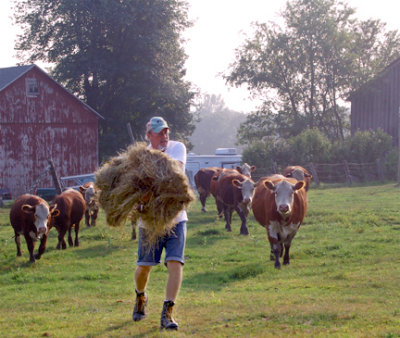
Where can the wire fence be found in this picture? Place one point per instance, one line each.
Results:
(344, 172)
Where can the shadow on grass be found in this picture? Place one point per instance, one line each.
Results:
(96, 251)
(216, 280)
(205, 238)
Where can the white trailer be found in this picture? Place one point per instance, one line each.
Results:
(223, 158)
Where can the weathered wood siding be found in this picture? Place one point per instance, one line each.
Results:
(377, 103)
(32, 129)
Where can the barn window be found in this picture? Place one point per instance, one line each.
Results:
(32, 88)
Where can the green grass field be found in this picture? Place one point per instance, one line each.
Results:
(343, 280)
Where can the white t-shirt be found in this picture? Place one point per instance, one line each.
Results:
(177, 151)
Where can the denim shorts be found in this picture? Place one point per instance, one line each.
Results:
(174, 245)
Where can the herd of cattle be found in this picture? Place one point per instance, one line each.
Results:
(32, 217)
(278, 202)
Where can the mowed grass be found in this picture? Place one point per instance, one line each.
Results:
(343, 280)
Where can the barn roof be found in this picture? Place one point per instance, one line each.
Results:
(370, 83)
(11, 74)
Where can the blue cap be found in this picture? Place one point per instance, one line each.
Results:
(156, 124)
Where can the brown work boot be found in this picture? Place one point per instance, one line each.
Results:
(167, 322)
(139, 312)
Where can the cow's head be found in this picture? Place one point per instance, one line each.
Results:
(246, 169)
(246, 187)
(298, 174)
(89, 193)
(41, 214)
(284, 195)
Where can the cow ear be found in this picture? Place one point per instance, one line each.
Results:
(28, 209)
(253, 168)
(239, 169)
(54, 211)
(307, 175)
(82, 189)
(236, 183)
(269, 185)
(299, 185)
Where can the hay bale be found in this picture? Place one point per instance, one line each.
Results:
(148, 177)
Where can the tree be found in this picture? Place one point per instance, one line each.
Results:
(307, 68)
(124, 58)
(217, 125)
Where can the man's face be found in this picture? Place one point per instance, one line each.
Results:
(159, 141)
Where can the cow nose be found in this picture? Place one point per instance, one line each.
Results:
(42, 230)
(284, 208)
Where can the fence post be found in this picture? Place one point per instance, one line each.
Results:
(274, 167)
(314, 173)
(347, 172)
(381, 175)
(56, 181)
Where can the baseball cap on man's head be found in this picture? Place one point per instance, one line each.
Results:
(156, 124)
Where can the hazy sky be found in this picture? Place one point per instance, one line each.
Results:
(219, 28)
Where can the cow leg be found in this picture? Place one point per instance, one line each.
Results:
(228, 218)
(87, 218)
(70, 242)
(18, 243)
(220, 208)
(61, 242)
(203, 198)
(30, 244)
(76, 234)
(286, 259)
(94, 218)
(243, 227)
(42, 247)
(277, 249)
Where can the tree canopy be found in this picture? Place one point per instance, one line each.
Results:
(217, 126)
(124, 58)
(306, 67)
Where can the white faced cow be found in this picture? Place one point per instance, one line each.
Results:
(30, 216)
(279, 205)
(235, 192)
(245, 169)
(299, 173)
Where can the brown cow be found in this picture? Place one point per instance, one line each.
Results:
(89, 193)
(72, 206)
(30, 215)
(235, 192)
(279, 205)
(244, 169)
(202, 179)
(299, 173)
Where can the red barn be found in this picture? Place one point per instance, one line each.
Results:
(376, 104)
(39, 119)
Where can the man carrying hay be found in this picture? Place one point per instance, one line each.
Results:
(157, 132)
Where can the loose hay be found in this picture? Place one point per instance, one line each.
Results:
(148, 177)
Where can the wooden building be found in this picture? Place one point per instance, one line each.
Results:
(376, 104)
(40, 119)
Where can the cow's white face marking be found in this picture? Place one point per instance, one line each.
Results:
(41, 218)
(247, 189)
(284, 192)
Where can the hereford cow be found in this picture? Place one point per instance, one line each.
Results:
(279, 205)
(244, 169)
(299, 173)
(30, 215)
(235, 192)
(72, 206)
(89, 193)
(202, 179)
